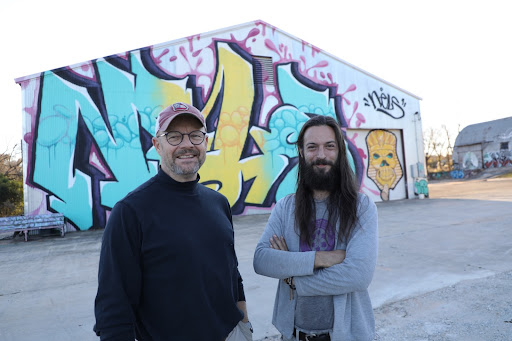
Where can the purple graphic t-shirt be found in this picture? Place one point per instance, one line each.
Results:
(315, 314)
(323, 238)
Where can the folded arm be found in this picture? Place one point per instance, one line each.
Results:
(355, 273)
(323, 259)
(322, 272)
(272, 258)
(277, 263)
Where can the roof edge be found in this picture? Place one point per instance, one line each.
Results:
(230, 28)
(343, 61)
(460, 140)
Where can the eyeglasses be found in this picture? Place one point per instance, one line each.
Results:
(175, 137)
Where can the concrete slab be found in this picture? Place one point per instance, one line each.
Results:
(460, 235)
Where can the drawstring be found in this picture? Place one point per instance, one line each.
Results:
(290, 283)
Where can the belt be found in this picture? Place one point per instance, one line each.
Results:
(312, 337)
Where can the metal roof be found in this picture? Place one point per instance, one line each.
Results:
(491, 131)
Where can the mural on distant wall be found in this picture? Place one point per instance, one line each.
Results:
(91, 126)
(457, 174)
(502, 158)
(384, 168)
(469, 161)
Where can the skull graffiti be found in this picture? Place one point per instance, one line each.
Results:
(383, 165)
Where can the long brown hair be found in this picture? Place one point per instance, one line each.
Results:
(342, 201)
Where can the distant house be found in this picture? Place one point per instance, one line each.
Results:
(484, 145)
(87, 128)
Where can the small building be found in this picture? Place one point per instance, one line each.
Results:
(87, 127)
(484, 145)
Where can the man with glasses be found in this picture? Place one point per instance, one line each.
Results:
(168, 268)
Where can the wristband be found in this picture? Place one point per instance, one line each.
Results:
(289, 281)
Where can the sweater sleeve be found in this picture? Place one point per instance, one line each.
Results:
(276, 263)
(355, 273)
(241, 293)
(239, 284)
(119, 276)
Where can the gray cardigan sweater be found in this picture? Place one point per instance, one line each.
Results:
(347, 282)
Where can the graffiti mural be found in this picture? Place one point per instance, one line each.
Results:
(386, 104)
(499, 159)
(457, 174)
(421, 187)
(470, 161)
(384, 168)
(89, 136)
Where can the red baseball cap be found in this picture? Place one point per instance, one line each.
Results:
(174, 110)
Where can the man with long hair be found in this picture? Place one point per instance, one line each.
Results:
(321, 243)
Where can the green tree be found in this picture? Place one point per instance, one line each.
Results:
(11, 197)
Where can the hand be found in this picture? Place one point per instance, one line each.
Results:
(325, 259)
(278, 243)
(243, 307)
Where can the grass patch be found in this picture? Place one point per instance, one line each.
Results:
(506, 175)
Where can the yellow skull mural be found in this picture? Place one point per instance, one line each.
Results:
(383, 165)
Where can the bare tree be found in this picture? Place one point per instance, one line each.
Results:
(11, 163)
(449, 146)
(433, 144)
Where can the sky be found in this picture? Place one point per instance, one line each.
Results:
(455, 55)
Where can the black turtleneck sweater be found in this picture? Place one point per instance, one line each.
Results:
(168, 268)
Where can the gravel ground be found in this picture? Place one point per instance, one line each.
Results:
(470, 310)
(486, 306)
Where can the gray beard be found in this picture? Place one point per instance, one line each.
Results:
(180, 171)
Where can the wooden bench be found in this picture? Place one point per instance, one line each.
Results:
(26, 223)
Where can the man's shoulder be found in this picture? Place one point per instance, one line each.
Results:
(140, 193)
(211, 193)
(365, 204)
(286, 202)
(363, 198)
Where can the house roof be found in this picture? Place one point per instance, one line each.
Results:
(492, 131)
(232, 28)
